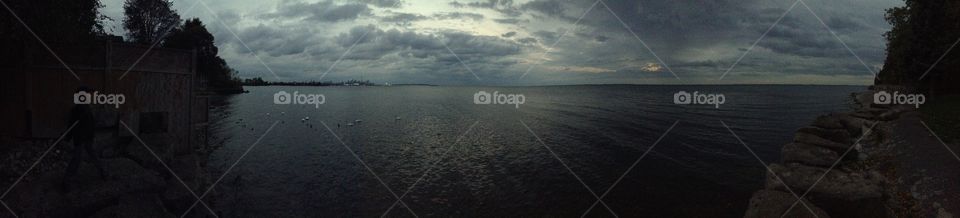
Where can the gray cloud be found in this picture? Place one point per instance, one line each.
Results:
(403, 19)
(508, 21)
(275, 41)
(421, 53)
(326, 11)
(547, 35)
(505, 7)
(698, 39)
(548, 7)
(688, 33)
(384, 3)
(527, 40)
(459, 15)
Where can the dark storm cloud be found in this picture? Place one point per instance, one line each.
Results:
(403, 18)
(695, 37)
(384, 3)
(326, 11)
(275, 41)
(491, 3)
(507, 21)
(505, 7)
(229, 17)
(527, 40)
(673, 27)
(546, 35)
(548, 7)
(592, 36)
(484, 54)
(459, 15)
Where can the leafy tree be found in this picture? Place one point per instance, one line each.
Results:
(54, 21)
(194, 35)
(147, 21)
(922, 32)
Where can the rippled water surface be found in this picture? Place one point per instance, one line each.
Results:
(498, 168)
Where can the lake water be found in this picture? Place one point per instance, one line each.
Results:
(498, 168)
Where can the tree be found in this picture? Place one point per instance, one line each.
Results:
(148, 21)
(54, 21)
(922, 32)
(194, 35)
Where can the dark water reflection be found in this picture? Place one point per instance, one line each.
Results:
(498, 168)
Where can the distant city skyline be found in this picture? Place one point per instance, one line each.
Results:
(496, 42)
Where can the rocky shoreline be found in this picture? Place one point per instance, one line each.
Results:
(138, 185)
(845, 161)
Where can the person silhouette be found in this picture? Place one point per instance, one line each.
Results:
(82, 136)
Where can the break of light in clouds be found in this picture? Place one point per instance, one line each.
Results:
(500, 40)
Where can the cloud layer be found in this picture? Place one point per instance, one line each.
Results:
(506, 42)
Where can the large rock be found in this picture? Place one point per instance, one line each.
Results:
(895, 111)
(837, 185)
(864, 115)
(816, 140)
(836, 135)
(809, 155)
(829, 121)
(841, 194)
(772, 203)
(864, 98)
(855, 125)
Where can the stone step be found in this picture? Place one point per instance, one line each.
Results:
(845, 186)
(836, 135)
(809, 155)
(864, 115)
(773, 203)
(816, 140)
(829, 121)
(855, 125)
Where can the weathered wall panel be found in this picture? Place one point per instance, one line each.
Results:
(38, 93)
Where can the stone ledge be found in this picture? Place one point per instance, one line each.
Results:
(772, 203)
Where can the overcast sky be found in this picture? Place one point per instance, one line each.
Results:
(495, 42)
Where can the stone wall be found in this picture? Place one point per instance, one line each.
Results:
(833, 159)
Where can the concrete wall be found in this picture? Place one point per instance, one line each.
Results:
(38, 92)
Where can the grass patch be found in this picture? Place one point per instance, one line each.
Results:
(942, 114)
